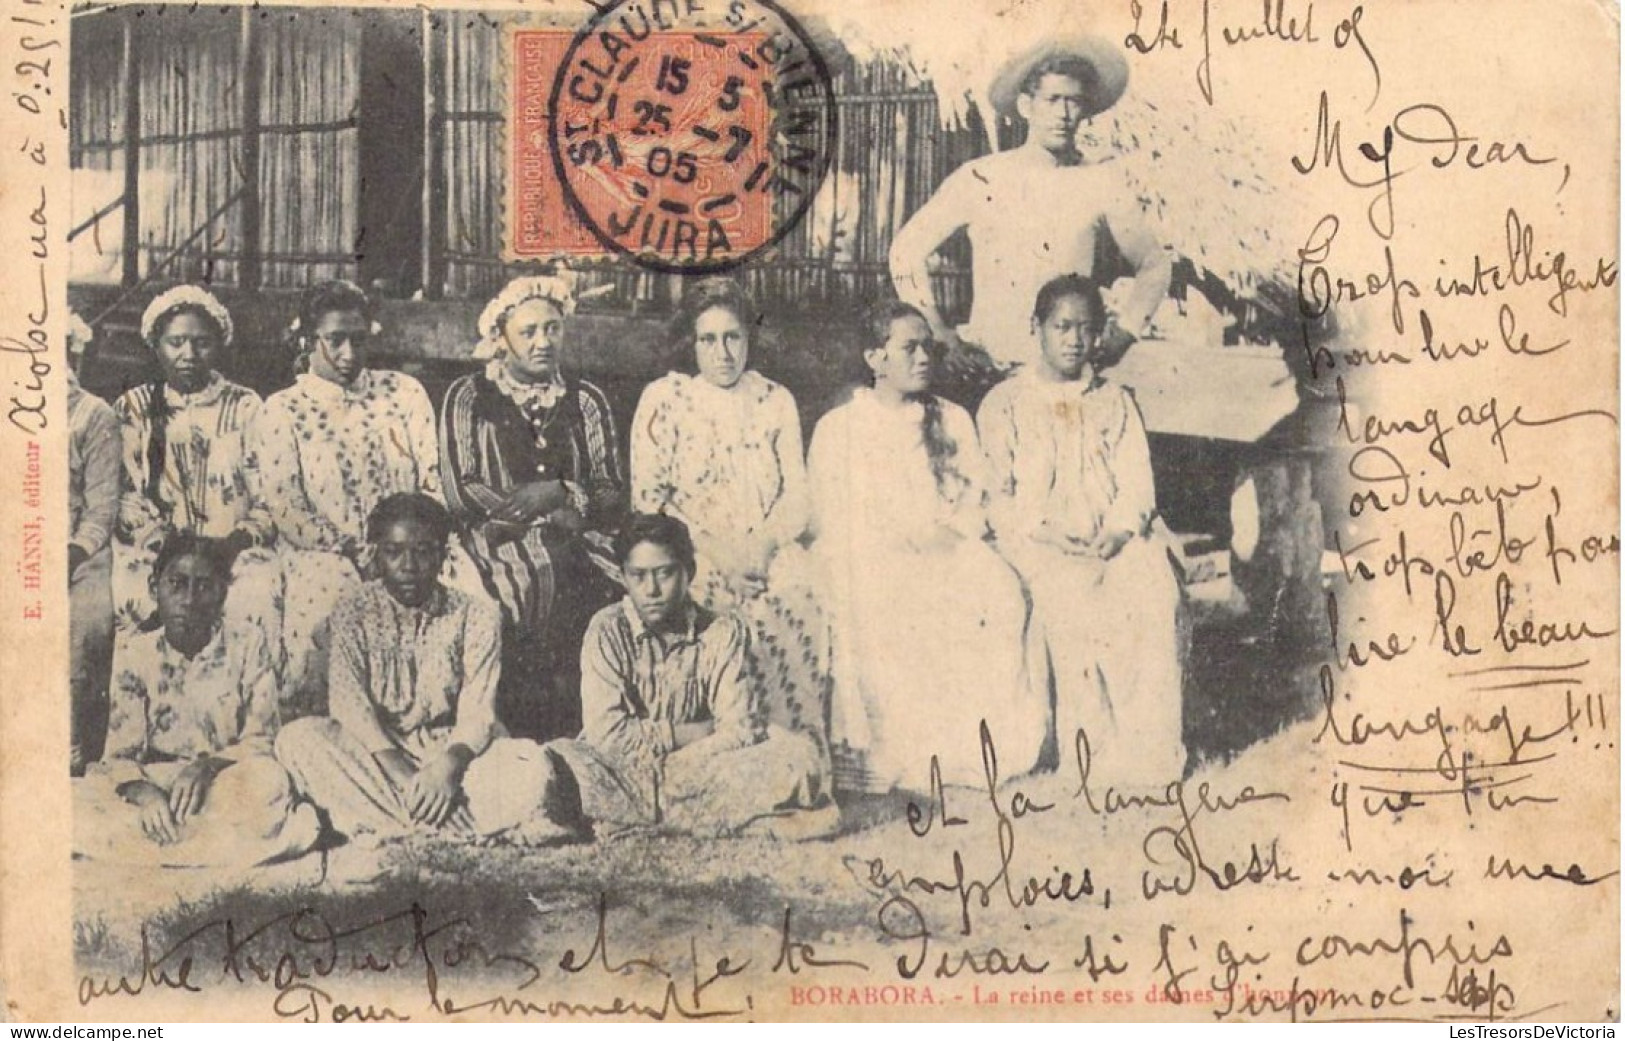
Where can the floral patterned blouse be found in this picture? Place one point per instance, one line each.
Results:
(202, 483)
(168, 707)
(326, 455)
(415, 678)
(727, 461)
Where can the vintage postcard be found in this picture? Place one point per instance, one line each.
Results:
(1016, 510)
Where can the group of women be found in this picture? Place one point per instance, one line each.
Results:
(916, 598)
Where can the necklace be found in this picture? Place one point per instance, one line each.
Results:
(536, 402)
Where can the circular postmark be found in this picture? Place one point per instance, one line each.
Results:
(691, 135)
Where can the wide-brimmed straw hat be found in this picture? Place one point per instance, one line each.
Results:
(1100, 92)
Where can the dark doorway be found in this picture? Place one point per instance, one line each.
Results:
(390, 246)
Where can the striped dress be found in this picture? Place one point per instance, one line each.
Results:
(495, 435)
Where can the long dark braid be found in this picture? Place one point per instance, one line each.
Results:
(569, 413)
(158, 415)
(941, 449)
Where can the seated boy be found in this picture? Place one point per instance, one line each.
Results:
(670, 736)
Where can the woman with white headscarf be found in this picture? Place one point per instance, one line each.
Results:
(533, 472)
(185, 463)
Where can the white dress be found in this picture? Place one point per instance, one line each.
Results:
(1070, 467)
(930, 624)
(728, 463)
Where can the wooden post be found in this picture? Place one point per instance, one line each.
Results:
(1281, 580)
(435, 215)
(249, 68)
(132, 153)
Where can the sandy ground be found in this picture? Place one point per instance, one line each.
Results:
(1243, 892)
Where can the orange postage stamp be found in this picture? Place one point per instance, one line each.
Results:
(683, 141)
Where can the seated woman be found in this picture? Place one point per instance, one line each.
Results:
(1074, 506)
(189, 779)
(327, 451)
(670, 737)
(413, 743)
(186, 465)
(930, 625)
(532, 471)
(721, 451)
(93, 501)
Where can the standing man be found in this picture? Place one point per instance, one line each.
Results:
(1034, 212)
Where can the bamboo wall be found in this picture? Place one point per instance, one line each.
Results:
(472, 156)
(96, 132)
(891, 154)
(191, 109)
(309, 162)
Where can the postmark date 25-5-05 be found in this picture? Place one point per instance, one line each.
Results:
(686, 136)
